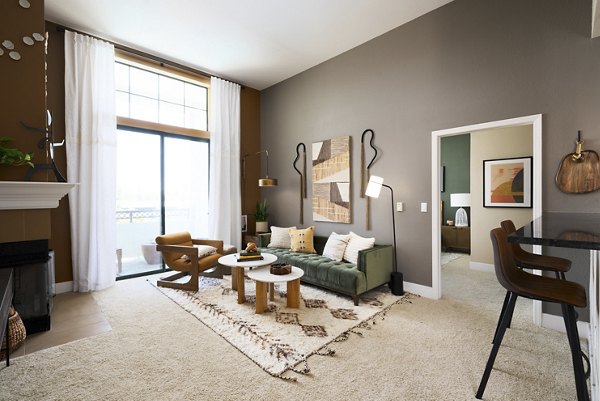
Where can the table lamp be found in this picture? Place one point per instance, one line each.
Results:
(460, 201)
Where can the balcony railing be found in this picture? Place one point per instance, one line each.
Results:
(148, 214)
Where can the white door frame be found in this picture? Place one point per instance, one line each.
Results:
(436, 243)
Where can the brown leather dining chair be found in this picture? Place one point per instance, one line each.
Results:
(528, 260)
(522, 284)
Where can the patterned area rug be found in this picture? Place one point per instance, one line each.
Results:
(283, 338)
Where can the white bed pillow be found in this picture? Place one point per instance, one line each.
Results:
(203, 250)
(336, 246)
(355, 244)
(280, 237)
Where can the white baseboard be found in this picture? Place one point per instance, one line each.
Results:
(419, 289)
(557, 323)
(482, 267)
(66, 286)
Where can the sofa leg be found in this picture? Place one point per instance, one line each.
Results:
(355, 299)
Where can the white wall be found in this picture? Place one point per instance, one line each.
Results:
(485, 145)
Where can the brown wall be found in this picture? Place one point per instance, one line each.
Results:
(468, 62)
(61, 230)
(22, 100)
(250, 144)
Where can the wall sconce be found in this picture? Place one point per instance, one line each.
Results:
(262, 182)
(372, 191)
(460, 201)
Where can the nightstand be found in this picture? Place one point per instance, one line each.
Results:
(456, 239)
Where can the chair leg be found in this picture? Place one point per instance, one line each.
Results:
(504, 304)
(576, 355)
(497, 341)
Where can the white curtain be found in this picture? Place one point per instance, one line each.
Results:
(91, 159)
(224, 197)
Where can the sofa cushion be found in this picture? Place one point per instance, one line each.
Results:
(280, 237)
(302, 240)
(355, 244)
(336, 246)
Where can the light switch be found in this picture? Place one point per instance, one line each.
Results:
(399, 206)
(423, 207)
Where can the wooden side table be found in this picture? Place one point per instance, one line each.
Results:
(237, 270)
(263, 278)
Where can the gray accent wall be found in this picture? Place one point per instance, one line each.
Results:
(455, 153)
(468, 62)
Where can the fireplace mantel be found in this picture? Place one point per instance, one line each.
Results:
(22, 195)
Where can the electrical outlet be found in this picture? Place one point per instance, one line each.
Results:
(399, 206)
(423, 207)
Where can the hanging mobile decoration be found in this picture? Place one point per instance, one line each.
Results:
(365, 173)
(302, 177)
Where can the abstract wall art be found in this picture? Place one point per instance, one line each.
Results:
(507, 182)
(331, 180)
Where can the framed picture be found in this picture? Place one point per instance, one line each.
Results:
(507, 182)
(244, 223)
(331, 180)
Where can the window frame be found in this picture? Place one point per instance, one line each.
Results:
(171, 72)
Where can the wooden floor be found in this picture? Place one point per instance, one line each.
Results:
(74, 316)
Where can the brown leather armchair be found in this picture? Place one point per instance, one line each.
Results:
(179, 254)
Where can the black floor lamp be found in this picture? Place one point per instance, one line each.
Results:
(373, 190)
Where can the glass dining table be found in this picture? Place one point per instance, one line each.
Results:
(575, 231)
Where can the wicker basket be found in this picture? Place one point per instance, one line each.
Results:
(16, 332)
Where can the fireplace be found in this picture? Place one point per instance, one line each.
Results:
(32, 295)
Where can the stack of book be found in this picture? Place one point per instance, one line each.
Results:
(249, 256)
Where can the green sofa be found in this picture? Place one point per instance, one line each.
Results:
(373, 269)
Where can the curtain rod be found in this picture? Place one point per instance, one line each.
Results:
(160, 60)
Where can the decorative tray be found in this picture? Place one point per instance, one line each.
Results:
(280, 269)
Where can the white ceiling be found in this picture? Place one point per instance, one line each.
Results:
(256, 43)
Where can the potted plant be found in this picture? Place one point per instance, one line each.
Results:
(13, 156)
(262, 226)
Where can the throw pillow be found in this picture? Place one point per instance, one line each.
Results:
(203, 250)
(335, 246)
(355, 244)
(302, 240)
(280, 237)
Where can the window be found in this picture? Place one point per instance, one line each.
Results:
(148, 94)
(162, 162)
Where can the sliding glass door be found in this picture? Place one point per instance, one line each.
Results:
(162, 186)
(186, 186)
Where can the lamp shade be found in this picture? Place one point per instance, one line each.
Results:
(460, 200)
(374, 186)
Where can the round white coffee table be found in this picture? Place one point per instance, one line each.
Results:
(237, 270)
(263, 278)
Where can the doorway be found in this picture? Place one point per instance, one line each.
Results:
(535, 121)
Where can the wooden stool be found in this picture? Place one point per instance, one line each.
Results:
(520, 283)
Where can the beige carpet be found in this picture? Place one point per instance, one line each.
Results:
(282, 338)
(427, 350)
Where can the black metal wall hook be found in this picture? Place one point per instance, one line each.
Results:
(298, 155)
(362, 140)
